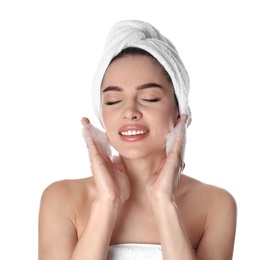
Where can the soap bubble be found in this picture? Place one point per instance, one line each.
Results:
(100, 139)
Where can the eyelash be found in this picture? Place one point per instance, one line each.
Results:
(152, 100)
(110, 103)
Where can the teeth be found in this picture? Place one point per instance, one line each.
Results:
(134, 132)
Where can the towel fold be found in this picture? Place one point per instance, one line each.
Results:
(140, 34)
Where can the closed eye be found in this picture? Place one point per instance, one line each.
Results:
(152, 100)
(110, 103)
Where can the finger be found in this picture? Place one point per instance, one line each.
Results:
(117, 162)
(98, 163)
(91, 145)
(90, 141)
(170, 173)
(85, 120)
(175, 151)
(176, 137)
(86, 128)
(98, 137)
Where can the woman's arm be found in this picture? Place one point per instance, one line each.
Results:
(217, 242)
(174, 241)
(58, 238)
(57, 233)
(220, 222)
(220, 214)
(94, 241)
(160, 189)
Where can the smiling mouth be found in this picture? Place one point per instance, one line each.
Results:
(133, 132)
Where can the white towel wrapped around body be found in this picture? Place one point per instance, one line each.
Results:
(139, 34)
(134, 251)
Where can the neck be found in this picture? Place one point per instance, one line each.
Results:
(139, 171)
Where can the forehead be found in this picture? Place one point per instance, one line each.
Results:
(135, 68)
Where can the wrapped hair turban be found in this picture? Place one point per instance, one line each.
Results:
(142, 35)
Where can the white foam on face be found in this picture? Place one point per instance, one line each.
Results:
(100, 139)
(177, 134)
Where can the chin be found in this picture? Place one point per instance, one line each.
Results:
(138, 150)
(141, 153)
(132, 154)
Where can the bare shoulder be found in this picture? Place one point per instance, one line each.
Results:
(209, 215)
(205, 197)
(61, 207)
(66, 192)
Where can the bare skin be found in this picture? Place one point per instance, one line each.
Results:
(135, 222)
(136, 199)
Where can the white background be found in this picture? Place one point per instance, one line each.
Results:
(48, 54)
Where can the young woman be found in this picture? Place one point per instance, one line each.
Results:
(138, 204)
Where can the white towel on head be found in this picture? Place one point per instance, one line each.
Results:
(139, 34)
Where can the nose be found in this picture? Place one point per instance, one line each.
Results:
(132, 113)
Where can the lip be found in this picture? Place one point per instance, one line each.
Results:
(136, 137)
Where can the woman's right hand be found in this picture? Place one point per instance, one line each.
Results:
(112, 183)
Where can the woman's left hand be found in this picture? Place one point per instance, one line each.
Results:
(161, 185)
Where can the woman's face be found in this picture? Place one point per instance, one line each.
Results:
(138, 107)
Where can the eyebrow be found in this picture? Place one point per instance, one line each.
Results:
(149, 85)
(112, 88)
(140, 87)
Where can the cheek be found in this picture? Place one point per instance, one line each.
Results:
(168, 117)
(164, 122)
